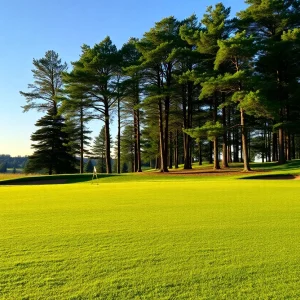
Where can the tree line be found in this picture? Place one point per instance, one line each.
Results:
(11, 162)
(219, 89)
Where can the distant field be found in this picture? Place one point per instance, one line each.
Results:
(151, 237)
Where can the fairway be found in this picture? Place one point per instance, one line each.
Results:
(154, 239)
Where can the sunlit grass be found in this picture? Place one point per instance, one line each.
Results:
(175, 239)
(5, 176)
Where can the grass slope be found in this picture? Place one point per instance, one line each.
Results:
(151, 239)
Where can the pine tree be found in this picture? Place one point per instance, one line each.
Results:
(132, 95)
(216, 27)
(268, 21)
(51, 152)
(158, 64)
(47, 86)
(93, 76)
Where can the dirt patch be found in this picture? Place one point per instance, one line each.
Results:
(37, 182)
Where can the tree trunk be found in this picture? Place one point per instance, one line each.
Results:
(210, 154)
(138, 142)
(288, 146)
(162, 143)
(166, 136)
(224, 146)
(119, 139)
(176, 157)
(81, 140)
(236, 145)
(281, 159)
(293, 150)
(274, 147)
(200, 153)
(107, 138)
(216, 140)
(229, 136)
(216, 154)
(244, 142)
(187, 151)
(171, 151)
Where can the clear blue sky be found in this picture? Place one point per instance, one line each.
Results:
(28, 28)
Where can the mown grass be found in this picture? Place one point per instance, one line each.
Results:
(151, 239)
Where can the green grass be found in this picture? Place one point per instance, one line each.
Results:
(144, 237)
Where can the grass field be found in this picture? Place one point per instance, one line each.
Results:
(136, 237)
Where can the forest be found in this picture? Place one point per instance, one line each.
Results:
(213, 88)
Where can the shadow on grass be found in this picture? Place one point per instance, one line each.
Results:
(271, 177)
(54, 179)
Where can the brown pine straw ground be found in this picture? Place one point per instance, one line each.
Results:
(208, 171)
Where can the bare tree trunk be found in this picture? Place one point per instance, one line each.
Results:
(81, 140)
(229, 137)
(107, 138)
(244, 142)
(274, 147)
(236, 145)
(119, 139)
(200, 153)
(166, 136)
(186, 112)
(282, 158)
(176, 157)
(225, 145)
(171, 151)
(210, 157)
(288, 146)
(216, 154)
(216, 140)
(138, 142)
(293, 150)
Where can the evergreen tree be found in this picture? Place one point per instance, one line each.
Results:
(268, 21)
(93, 76)
(132, 95)
(47, 86)
(158, 63)
(216, 27)
(51, 152)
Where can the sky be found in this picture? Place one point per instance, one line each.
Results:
(29, 28)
